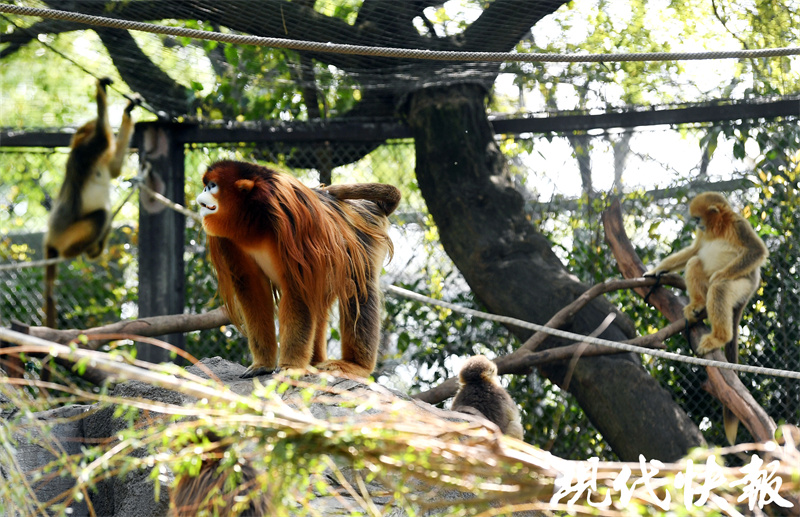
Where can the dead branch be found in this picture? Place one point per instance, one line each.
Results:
(724, 384)
(147, 327)
(566, 314)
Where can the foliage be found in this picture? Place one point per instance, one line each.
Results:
(256, 84)
(379, 453)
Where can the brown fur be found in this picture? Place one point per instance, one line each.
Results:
(723, 271)
(480, 394)
(80, 219)
(210, 490)
(270, 232)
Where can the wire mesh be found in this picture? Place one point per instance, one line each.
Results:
(563, 177)
(655, 182)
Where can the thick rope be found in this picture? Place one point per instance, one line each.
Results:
(697, 361)
(312, 46)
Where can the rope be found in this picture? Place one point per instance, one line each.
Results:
(312, 46)
(506, 320)
(85, 70)
(47, 262)
(33, 263)
(697, 361)
(171, 204)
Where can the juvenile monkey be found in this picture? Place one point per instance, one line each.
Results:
(80, 219)
(480, 394)
(723, 271)
(268, 232)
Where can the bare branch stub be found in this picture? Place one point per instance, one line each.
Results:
(724, 384)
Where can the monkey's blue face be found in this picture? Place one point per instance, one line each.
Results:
(698, 223)
(207, 199)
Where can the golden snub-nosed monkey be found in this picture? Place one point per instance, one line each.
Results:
(269, 232)
(723, 270)
(81, 216)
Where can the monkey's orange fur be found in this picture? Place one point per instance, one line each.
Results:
(217, 486)
(268, 232)
(723, 271)
(722, 265)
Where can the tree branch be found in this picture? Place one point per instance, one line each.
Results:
(148, 327)
(142, 75)
(516, 17)
(724, 384)
(524, 359)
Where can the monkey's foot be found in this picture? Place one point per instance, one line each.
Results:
(693, 311)
(709, 343)
(257, 371)
(345, 367)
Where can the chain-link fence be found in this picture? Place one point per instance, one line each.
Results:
(564, 179)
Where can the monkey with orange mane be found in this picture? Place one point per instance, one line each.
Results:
(268, 232)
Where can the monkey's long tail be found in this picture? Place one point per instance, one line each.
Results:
(50, 273)
(729, 420)
(387, 197)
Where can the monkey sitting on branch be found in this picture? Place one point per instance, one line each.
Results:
(723, 271)
(268, 232)
(481, 394)
(81, 217)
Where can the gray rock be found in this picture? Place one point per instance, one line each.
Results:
(133, 495)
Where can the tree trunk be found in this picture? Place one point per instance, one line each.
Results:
(513, 271)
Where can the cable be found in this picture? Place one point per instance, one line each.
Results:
(313, 46)
(85, 70)
(33, 263)
(697, 361)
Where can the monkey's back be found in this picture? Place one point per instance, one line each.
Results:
(488, 399)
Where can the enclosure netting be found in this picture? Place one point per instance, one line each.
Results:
(192, 79)
(188, 79)
(91, 294)
(178, 76)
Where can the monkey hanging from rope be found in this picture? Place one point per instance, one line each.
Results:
(81, 217)
(268, 232)
(723, 271)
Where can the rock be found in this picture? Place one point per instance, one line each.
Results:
(133, 495)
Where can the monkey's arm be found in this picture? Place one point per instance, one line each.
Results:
(123, 138)
(752, 255)
(677, 260)
(100, 141)
(385, 196)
